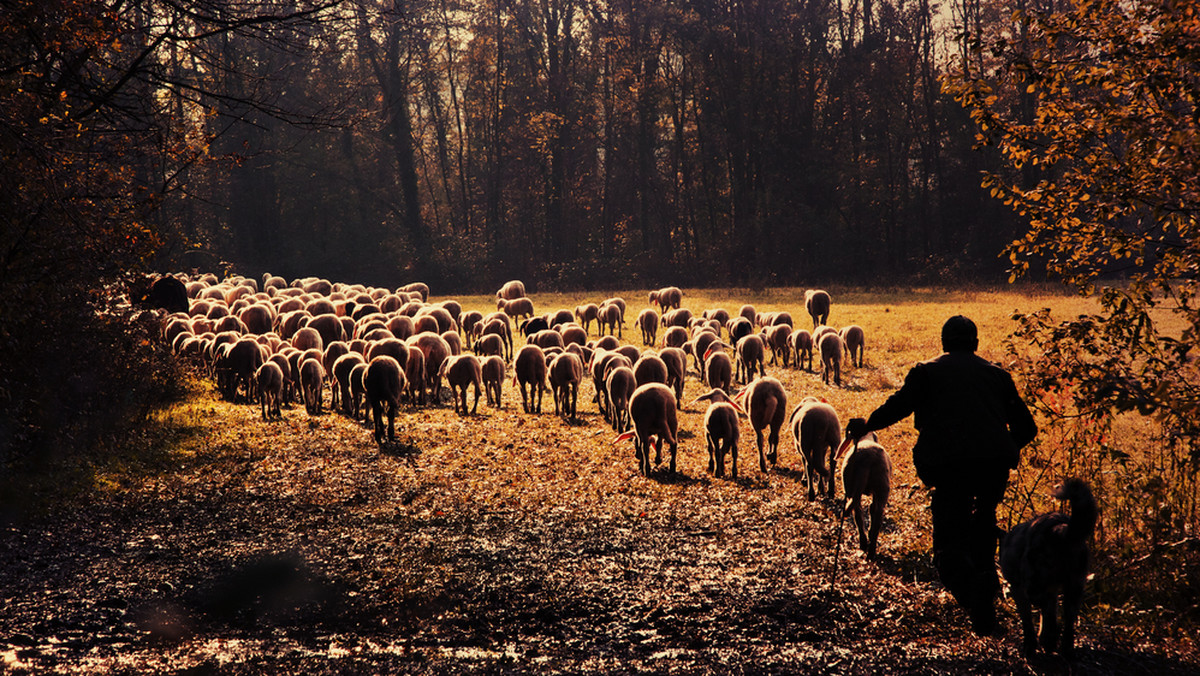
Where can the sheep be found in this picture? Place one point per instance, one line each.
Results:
(832, 348)
(454, 308)
(416, 287)
(393, 347)
(675, 336)
(854, 340)
(738, 328)
(546, 339)
(270, 389)
(698, 347)
(781, 319)
(619, 302)
(647, 321)
(436, 350)
(866, 470)
(358, 388)
(492, 368)
(341, 370)
(586, 314)
(718, 368)
(573, 334)
(631, 353)
(802, 346)
(329, 326)
(425, 324)
(766, 406)
(750, 358)
(652, 410)
(777, 337)
(241, 363)
(719, 315)
(607, 343)
(666, 297)
(384, 381)
(402, 327)
(619, 386)
(600, 364)
(489, 345)
(461, 372)
(230, 323)
(676, 361)
(721, 431)
(454, 341)
(414, 377)
(516, 308)
(312, 375)
(166, 293)
(650, 368)
(611, 319)
(529, 368)
(817, 303)
(746, 312)
(499, 327)
(285, 367)
(445, 320)
(470, 323)
(815, 431)
(679, 317)
(511, 289)
(533, 325)
(566, 372)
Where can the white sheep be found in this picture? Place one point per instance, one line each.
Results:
(750, 358)
(529, 369)
(802, 346)
(832, 348)
(765, 403)
(855, 341)
(270, 389)
(866, 470)
(777, 337)
(586, 314)
(611, 319)
(493, 369)
(511, 289)
(461, 372)
(718, 367)
(566, 373)
(815, 432)
(721, 431)
(652, 410)
(619, 386)
(666, 297)
(516, 308)
(647, 321)
(817, 303)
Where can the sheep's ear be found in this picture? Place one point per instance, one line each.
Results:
(739, 409)
(624, 436)
(842, 449)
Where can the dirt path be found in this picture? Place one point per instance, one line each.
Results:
(503, 543)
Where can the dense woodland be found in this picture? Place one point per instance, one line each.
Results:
(568, 142)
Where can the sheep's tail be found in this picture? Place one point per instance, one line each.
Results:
(1084, 512)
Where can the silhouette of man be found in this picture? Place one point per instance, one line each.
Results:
(971, 426)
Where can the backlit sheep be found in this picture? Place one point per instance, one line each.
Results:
(586, 314)
(462, 371)
(619, 386)
(718, 368)
(666, 297)
(652, 410)
(650, 368)
(866, 470)
(802, 347)
(611, 319)
(816, 432)
(765, 403)
(647, 321)
(777, 337)
(270, 389)
(493, 368)
(832, 348)
(529, 370)
(510, 290)
(566, 373)
(817, 303)
(676, 361)
(855, 341)
(312, 375)
(721, 431)
(384, 381)
(750, 358)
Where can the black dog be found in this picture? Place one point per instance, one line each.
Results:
(1046, 555)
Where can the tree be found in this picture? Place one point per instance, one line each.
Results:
(1105, 166)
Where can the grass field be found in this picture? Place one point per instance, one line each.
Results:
(509, 542)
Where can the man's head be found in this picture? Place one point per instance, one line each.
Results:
(959, 335)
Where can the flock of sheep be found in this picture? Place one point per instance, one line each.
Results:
(376, 349)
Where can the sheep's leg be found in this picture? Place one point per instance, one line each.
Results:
(773, 446)
(674, 451)
(715, 461)
(733, 459)
(762, 458)
(391, 421)
(877, 507)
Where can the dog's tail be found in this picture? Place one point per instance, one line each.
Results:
(1083, 508)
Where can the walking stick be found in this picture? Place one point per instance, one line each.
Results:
(837, 549)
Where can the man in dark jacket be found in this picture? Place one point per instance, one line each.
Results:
(971, 426)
